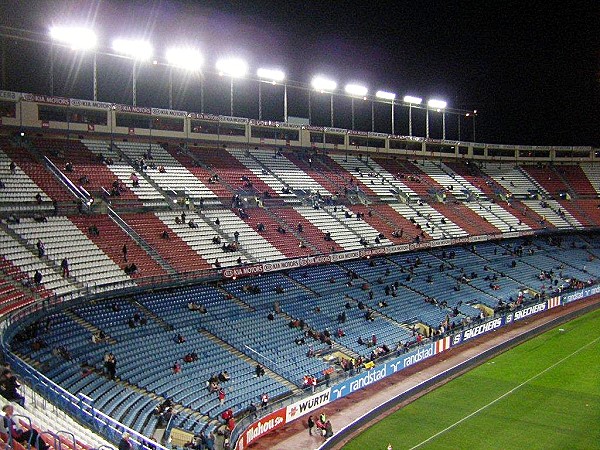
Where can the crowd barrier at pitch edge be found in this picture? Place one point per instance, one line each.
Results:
(277, 419)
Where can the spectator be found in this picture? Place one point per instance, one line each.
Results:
(10, 388)
(176, 367)
(30, 436)
(13, 167)
(311, 425)
(93, 230)
(64, 265)
(264, 400)
(260, 371)
(224, 376)
(328, 430)
(125, 444)
(221, 396)
(37, 277)
(41, 248)
(124, 251)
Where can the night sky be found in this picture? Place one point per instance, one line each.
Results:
(531, 69)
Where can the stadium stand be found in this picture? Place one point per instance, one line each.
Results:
(270, 264)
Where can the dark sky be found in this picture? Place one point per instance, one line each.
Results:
(531, 69)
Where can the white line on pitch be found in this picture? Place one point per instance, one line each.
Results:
(503, 395)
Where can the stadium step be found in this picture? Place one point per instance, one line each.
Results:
(141, 242)
(165, 325)
(249, 360)
(32, 249)
(88, 326)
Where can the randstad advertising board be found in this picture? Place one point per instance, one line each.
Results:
(380, 371)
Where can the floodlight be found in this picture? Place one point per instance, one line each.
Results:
(437, 104)
(136, 49)
(232, 67)
(186, 58)
(323, 84)
(76, 37)
(385, 95)
(412, 100)
(270, 74)
(356, 89)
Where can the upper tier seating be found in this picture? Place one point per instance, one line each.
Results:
(547, 178)
(19, 191)
(231, 171)
(28, 262)
(512, 179)
(460, 188)
(252, 164)
(36, 171)
(122, 171)
(592, 171)
(87, 263)
(174, 178)
(288, 172)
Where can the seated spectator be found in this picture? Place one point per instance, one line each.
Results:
(130, 269)
(180, 339)
(259, 370)
(9, 387)
(176, 367)
(41, 247)
(93, 230)
(224, 376)
(37, 277)
(69, 167)
(24, 437)
(192, 224)
(164, 234)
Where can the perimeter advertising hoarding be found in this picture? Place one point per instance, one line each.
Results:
(381, 371)
(581, 293)
(307, 405)
(261, 427)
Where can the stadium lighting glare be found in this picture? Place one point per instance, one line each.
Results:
(356, 90)
(412, 100)
(437, 104)
(76, 37)
(232, 67)
(136, 49)
(385, 95)
(273, 75)
(185, 58)
(323, 84)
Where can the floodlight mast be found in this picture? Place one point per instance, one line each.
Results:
(323, 85)
(356, 90)
(439, 105)
(233, 68)
(138, 51)
(384, 95)
(184, 58)
(411, 100)
(272, 76)
(78, 38)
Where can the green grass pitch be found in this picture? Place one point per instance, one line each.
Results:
(542, 394)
